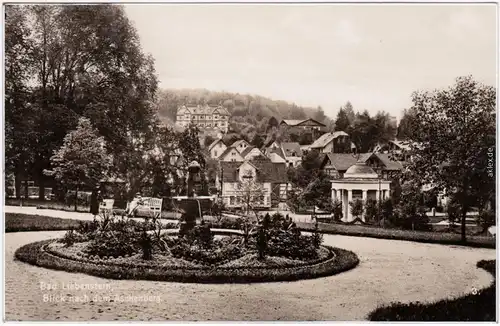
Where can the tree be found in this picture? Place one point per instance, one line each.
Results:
(371, 211)
(411, 209)
(456, 131)
(406, 126)
(257, 141)
(250, 193)
(349, 112)
(319, 115)
(18, 68)
(81, 67)
(357, 208)
(82, 160)
(342, 123)
(208, 141)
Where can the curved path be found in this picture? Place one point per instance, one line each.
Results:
(389, 271)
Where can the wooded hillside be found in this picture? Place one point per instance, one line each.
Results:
(250, 113)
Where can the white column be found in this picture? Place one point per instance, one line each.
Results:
(349, 200)
(334, 194)
(365, 197)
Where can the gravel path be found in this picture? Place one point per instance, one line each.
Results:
(389, 271)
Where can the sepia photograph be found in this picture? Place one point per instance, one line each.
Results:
(249, 162)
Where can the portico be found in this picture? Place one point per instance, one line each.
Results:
(359, 182)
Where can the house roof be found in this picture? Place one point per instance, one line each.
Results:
(341, 161)
(389, 164)
(239, 142)
(215, 142)
(360, 170)
(247, 150)
(266, 171)
(292, 122)
(204, 109)
(325, 139)
(290, 148)
(227, 151)
(277, 151)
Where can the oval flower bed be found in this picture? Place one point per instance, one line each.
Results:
(242, 268)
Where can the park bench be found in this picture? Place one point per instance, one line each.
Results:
(106, 205)
(148, 204)
(153, 205)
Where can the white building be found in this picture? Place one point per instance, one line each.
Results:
(204, 116)
(359, 182)
(216, 148)
(270, 178)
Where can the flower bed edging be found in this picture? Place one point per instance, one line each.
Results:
(341, 261)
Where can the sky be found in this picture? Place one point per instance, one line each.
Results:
(374, 55)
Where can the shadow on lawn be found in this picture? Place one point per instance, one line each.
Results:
(472, 307)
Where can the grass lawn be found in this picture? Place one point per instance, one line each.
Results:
(47, 204)
(478, 306)
(394, 234)
(24, 222)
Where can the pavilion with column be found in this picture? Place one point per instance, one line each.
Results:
(359, 182)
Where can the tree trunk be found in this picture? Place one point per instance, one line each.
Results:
(17, 185)
(41, 189)
(76, 199)
(463, 235)
(26, 190)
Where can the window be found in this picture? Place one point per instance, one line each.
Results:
(215, 153)
(233, 153)
(232, 200)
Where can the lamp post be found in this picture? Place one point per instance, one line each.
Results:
(379, 172)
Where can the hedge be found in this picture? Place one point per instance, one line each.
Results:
(395, 234)
(341, 260)
(15, 222)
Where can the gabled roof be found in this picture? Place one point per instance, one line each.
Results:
(227, 151)
(291, 122)
(325, 139)
(204, 109)
(266, 171)
(247, 150)
(290, 148)
(215, 142)
(277, 151)
(239, 142)
(341, 161)
(389, 164)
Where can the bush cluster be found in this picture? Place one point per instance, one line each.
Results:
(220, 250)
(342, 260)
(113, 244)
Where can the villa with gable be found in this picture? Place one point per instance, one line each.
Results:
(270, 177)
(204, 116)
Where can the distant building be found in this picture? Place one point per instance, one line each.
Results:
(231, 154)
(270, 177)
(216, 148)
(240, 145)
(285, 152)
(306, 124)
(204, 116)
(333, 142)
(336, 164)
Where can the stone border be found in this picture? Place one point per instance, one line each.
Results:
(341, 260)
